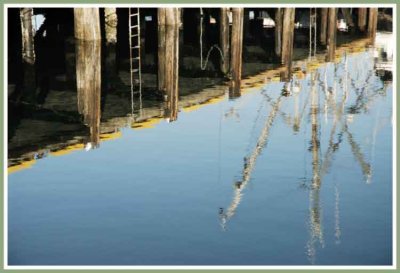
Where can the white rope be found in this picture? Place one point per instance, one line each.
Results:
(204, 65)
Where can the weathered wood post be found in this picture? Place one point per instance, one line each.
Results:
(236, 52)
(70, 66)
(161, 49)
(87, 24)
(88, 68)
(278, 31)
(287, 40)
(323, 24)
(362, 19)
(171, 105)
(168, 50)
(224, 39)
(331, 42)
(28, 55)
(372, 23)
(111, 23)
(28, 50)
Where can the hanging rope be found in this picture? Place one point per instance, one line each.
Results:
(204, 65)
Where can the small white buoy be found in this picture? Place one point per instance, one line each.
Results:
(88, 146)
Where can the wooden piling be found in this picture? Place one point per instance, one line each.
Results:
(161, 49)
(278, 31)
(111, 23)
(168, 50)
(236, 51)
(28, 50)
(331, 42)
(362, 19)
(87, 24)
(323, 26)
(287, 38)
(171, 105)
(70, 66)
(224, 39)
(28, 90)
(88, 79)
(372, 23)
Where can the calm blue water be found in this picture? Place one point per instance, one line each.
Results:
(263, 179)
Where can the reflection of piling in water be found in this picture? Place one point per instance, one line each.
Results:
(28, 55)
(236, 52)
(249, 164)
(88, 68)
(332, 28)
(168, 49)
(224, 39)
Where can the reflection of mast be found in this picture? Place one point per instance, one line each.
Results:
(332, 146)
(337, 215)
(249, 164)
(356, 150)
(315, 209)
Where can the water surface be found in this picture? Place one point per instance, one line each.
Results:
(289, 173)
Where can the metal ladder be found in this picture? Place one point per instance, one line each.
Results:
(134, 48)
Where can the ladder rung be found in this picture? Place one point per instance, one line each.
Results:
(134, 35)
(134, 14)
(135, 47)
(136, 58)
(134, 70)
(135, 26)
